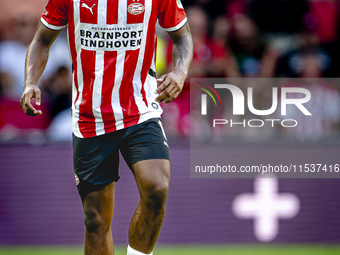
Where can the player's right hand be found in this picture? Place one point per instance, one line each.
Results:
(31, 92)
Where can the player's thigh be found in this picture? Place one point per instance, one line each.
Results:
(145, 141)
(98, 208)
(146, 152)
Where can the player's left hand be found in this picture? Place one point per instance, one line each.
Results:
(171, 85)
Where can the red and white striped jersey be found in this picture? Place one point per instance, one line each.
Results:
(112, 45)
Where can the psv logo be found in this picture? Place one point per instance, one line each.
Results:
(136, 8)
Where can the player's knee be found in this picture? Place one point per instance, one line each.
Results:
(157, 195)
(95, 223)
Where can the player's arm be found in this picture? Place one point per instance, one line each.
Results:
(171, 84)
(36, 61)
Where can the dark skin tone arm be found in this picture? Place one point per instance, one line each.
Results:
(171, 84)
(36, 61)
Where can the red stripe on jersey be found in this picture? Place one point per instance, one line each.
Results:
(135, 11)
(126, 93)
(112, 12)
(110, 60)
(89, 11)
(71, 32)
(87, 124)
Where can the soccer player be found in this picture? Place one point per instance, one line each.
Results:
(115, 105)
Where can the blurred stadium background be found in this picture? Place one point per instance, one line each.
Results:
(40, 211)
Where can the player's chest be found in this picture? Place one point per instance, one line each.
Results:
(113, 25)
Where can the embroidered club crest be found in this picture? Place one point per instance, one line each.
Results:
(136, 8)
(155, 106)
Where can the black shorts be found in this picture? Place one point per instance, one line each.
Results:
(96, 159)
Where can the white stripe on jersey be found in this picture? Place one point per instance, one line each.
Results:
(117, 109)
(150, 86)
(76, 14)
(142, 108)
(97, 92)
(99, 72)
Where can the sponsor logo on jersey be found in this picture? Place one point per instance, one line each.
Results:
(136, 8)
(77, 179)
(87, 7)
(155, 106)
(111, 37)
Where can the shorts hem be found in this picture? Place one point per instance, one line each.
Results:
(143, 159)
(95, 187)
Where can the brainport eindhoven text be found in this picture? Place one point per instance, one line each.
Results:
(111, 40)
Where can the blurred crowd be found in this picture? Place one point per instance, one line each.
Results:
(232, 38)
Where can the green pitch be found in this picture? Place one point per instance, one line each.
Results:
(190, 250)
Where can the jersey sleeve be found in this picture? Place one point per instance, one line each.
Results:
(55, 16)
(172, 16)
